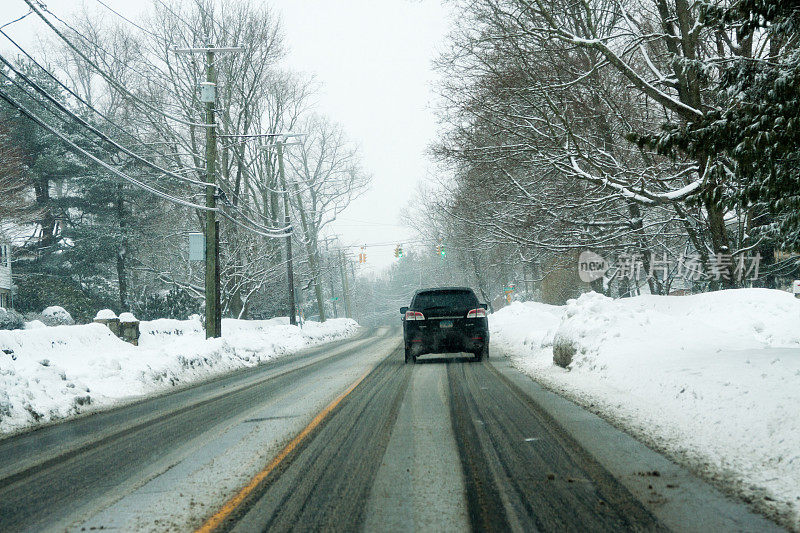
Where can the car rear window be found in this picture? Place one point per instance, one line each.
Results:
(457, 299)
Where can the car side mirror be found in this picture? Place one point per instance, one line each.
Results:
(403, 310)
(485, 306)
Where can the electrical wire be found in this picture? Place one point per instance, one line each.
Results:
(73, 93)
(257, 228)
(107, 77)
(23, 110)
(254, 227)
(264, 230)
(261, 229)
(94, 44)
(16, 19)
(126, 19)
(94, 130)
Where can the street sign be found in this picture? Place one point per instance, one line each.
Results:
(197, 247)
(508, 291)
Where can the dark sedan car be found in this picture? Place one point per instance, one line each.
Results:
(447, 319)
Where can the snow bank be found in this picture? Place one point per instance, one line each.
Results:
(59, 372)
(713, 379)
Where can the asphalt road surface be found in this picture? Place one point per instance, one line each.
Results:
(347, 437)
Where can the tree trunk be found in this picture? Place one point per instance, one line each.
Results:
(122, 252)
(313, 264)
(41, 188)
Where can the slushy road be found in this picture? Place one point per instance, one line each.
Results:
(346, 437)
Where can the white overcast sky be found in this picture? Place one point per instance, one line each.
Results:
(373, 60)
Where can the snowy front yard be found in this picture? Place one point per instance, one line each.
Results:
(59, 372)
(711, 379)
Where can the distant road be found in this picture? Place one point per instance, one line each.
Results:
(340, 437)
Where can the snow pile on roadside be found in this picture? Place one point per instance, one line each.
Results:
(58, 372)
(524, 327)
(713, 379)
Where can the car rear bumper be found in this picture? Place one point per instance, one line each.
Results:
(438, 342)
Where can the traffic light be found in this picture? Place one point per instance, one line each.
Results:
(442, 251)
(397, 251)
(362, 256)
(400, 251)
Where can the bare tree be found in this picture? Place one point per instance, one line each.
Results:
(326, 177)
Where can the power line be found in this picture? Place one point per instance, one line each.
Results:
(91, 128)
(263, 230)
(126, 19)
(260, 229)
(16, 19)
(98, 46)
(73, 93)
(22, 109)
(100, 71)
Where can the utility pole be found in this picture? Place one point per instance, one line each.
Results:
(345, 287)
(287, 223)
(208, 95)
(213, 321)
(330, 279)
(278, 145)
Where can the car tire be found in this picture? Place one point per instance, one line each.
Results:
(483, 353)
(409, 357)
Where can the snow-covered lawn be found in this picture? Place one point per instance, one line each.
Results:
(712, 379)
(58, 372)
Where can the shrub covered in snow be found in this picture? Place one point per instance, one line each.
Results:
(127, 317)
(57, 316)
(175, 303)
(10, 319)
(105, 314)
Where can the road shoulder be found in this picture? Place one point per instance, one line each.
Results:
(679, 499)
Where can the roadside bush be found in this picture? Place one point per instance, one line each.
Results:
(10, 319)
(35, 292)
(57, 316)
(175, 303)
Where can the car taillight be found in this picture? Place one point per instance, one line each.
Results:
(414, 315)
(477, 313)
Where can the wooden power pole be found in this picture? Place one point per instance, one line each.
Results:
(208, 95)
(213, 311)
(287, 222)
(345, 287)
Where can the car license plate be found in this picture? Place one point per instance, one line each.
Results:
(444, 324)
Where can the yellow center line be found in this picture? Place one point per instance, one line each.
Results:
(212, 523)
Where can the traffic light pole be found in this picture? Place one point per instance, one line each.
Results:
(287, 222)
